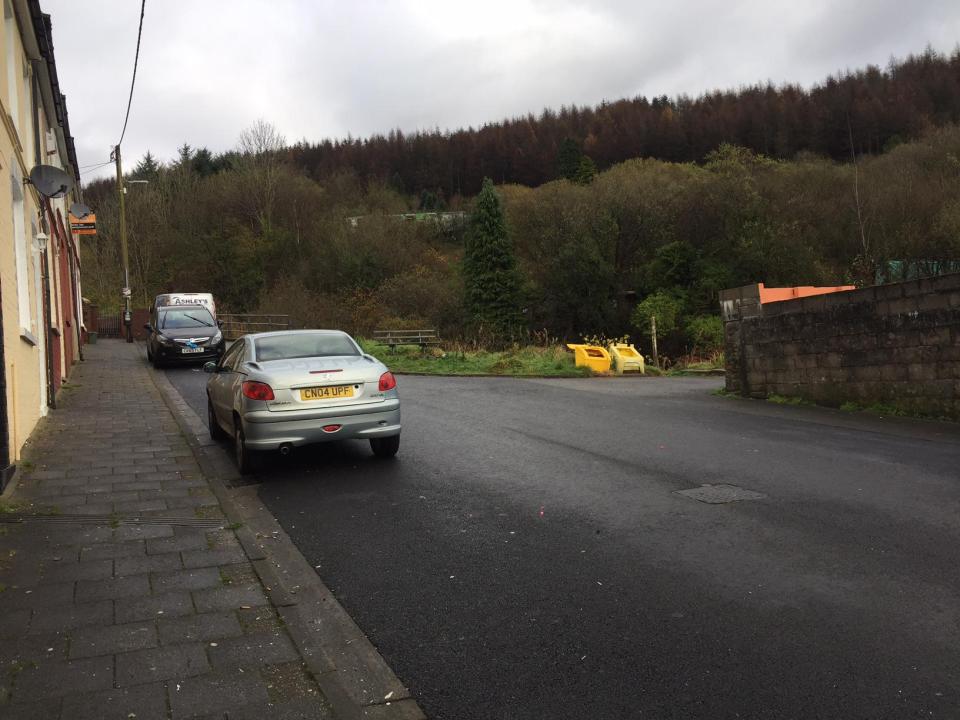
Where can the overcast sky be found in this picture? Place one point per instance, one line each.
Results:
(323, 68)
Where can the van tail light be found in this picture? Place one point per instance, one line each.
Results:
(387, 381)
(257, 390)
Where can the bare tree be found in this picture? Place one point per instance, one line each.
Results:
(260, 139)
(261, 164)
(865, 261)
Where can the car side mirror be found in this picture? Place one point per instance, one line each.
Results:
(210, 367)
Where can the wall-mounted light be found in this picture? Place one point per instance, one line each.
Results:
(40, 242)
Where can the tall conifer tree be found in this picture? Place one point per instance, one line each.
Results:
(568, 159)
(492, 280)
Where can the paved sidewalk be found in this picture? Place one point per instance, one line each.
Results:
(123, 592)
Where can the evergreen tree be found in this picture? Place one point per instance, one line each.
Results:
(186, 155)
(428, 201)
(492, 280)
(568, 159)
(147, 168)
(585, 171)
(202, 162)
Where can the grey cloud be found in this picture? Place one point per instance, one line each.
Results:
(319, 69)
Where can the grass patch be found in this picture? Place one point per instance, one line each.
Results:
(702, 366)
(723, 392)
(788, 400)
(714, 364)
(519, 362)
(883, 409)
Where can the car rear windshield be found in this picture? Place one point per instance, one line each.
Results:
(183, 318)
(303, 345)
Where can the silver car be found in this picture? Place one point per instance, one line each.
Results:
(280, 390)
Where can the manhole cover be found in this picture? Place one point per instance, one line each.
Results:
(716, 494)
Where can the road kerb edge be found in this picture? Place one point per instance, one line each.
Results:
(352, 674)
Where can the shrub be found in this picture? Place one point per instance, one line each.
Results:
(661, 305)
(706, 334)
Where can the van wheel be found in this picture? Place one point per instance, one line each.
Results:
(385, 447)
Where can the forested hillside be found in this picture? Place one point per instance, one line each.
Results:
(262, 235)
(875, 109)
(855, 180)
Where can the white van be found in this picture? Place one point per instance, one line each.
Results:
(185, 298)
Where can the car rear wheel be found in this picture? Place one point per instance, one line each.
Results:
(241, 453)
(385, 447)
(216, 432)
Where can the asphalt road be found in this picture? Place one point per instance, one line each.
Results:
(527, 554)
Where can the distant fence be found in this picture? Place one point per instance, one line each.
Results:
(235, 325)
(109, 326)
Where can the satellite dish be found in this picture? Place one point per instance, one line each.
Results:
(50, 181)
(80, 211)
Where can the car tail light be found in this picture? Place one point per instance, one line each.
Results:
(257, 390)
(387, 381)
(331, 428)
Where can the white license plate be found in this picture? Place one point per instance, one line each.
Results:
(190, 350)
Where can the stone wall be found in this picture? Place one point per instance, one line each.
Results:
(896, 344)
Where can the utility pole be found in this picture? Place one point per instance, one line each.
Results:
(121, 191)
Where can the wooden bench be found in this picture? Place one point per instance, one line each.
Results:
(392, 338)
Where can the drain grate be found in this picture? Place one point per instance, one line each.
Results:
(211, 524)
(718, 494)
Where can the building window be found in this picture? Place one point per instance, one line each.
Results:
(20, 246)
(13, 64)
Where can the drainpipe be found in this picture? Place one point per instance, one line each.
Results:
(73, 270)
(6, 469)
(76, 298)
(45, 272)
(51, 388)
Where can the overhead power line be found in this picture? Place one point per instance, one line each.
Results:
(92, 168)
(96, 164)
(133, 80)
